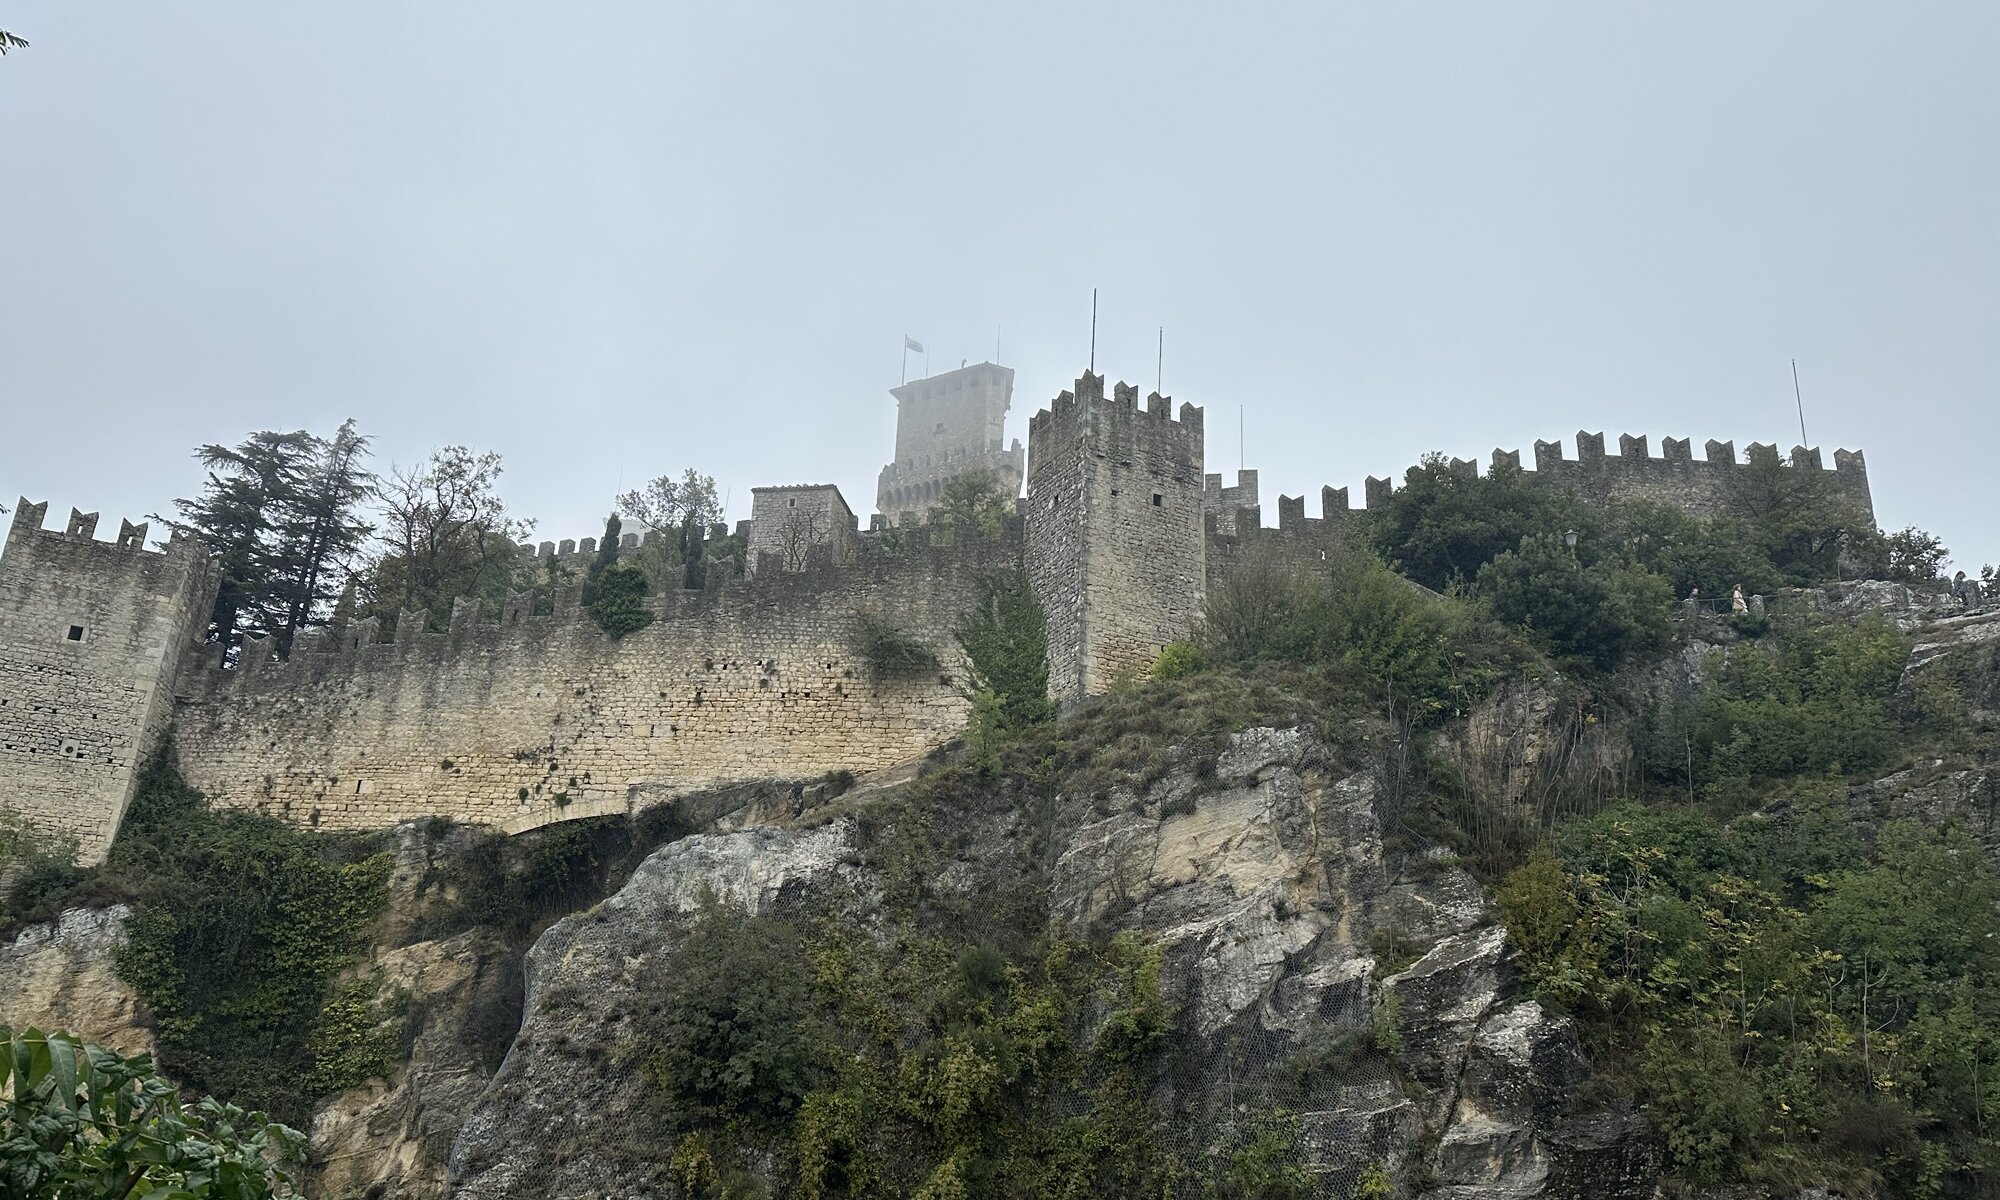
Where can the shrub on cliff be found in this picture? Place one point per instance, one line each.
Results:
(1006, 644)
(1603, 613)
(1428, 656)
(1794, 1004)
(1818, 700)
(241, 925)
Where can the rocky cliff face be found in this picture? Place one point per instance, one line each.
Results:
(1264, 881)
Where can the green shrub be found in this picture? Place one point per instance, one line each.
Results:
(1817, 702)
(1445, 524)
(1178, 659)
(1713, 555)
(618, 604)
(1791, 1003)
(1426, 655)
(729, 1036)
(1604, 613)
(1005, 639)
(80, 1120)
(241, 923)
(889, 651)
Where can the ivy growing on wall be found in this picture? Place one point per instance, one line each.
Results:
(242, 926)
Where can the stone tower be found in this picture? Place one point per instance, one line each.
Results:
(947, 425)
(92, 637)
(1114, 523)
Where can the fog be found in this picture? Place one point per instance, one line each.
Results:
(612, 241)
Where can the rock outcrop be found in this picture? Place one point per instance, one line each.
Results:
(557, 1119)
(1266, 885)
(63, 974)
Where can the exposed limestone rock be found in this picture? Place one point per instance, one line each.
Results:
(1516, 744)
(555, 1122)
(1262, 882)
(62, 975)
(389, 1139)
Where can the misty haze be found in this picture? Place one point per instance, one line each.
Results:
(1325, 602)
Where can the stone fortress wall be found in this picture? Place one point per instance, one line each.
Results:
(1705, 487)
(533, 719)
(92, 636)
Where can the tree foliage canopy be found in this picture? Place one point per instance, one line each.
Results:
(669, 503)
(82, 1122)
(282, 511)
(445, 534)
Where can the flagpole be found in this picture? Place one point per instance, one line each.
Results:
(1160, 365)
(1093, 331)
(906, 358)
(1800, 398)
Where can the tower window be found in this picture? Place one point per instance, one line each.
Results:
(1158, 499)
(76, 633)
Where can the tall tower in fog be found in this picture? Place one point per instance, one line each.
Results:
(947, 425)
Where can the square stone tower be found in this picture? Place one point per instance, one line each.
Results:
(92, 637)
(793, 525)
(947, 425)
(1114, 527)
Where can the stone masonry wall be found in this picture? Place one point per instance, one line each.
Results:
(541, 719)
(92, 635)
(1705, 487)
(1114, 519)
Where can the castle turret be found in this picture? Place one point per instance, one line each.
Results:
(1114, 523)
(948, 425)
(92, 637)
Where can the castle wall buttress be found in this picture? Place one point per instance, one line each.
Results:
(92, 637)
(1114, 522)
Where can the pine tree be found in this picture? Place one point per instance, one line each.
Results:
(281, 511)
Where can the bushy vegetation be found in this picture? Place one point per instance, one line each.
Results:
(1593, 585)
(1604, 613)
(1816, 699)
(242, 925)
(1798, 1004)
(939, 1051)
(1428, 657)
(889, 651)
(614, 592)
(1006, 644)
(82, 1122)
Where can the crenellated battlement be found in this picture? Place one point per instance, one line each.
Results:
(1071, 409)
(1114, 530)
(914, 554)
(524, 711)
(92, 635)
(80, 534)
(1701, 486)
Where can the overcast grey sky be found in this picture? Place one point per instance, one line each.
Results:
(616, 240)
